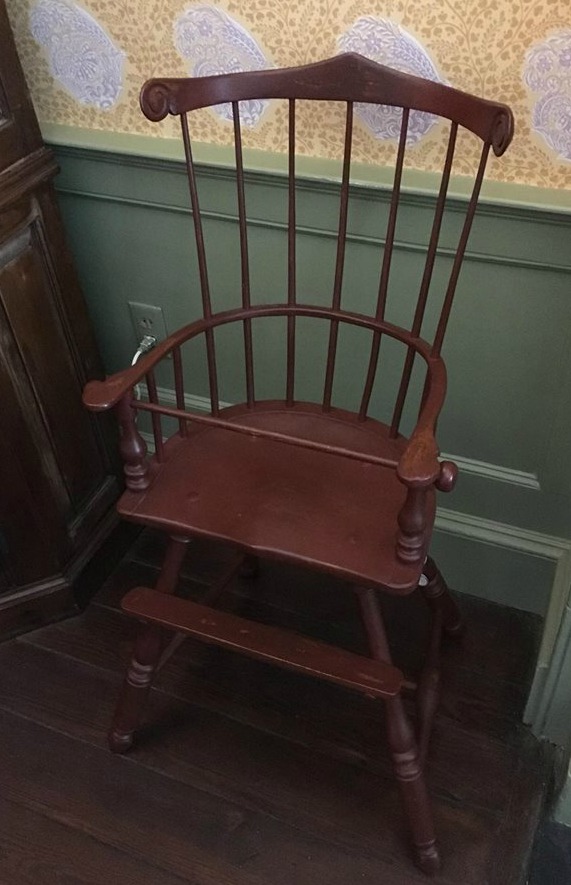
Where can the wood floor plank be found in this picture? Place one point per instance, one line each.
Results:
(87, 717)
(131, 574)
(486, 674)
(249, 775)
(480, 698)
(476, 702)
(496, 637)
(499, 641)
(186, 831)
(35, 850)
(103, 637)
(339, 804)
(521, 816)
(307, 712)
(455, 766)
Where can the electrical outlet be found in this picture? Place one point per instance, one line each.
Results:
(147, 319)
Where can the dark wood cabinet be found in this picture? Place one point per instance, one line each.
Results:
(57, 485)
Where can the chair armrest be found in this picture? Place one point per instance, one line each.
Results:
(419, 465)
(98, 396)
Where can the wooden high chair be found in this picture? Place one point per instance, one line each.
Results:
(302, 482)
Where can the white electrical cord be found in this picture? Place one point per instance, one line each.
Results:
(146, 344)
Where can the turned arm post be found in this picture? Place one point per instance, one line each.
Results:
(132, 446)
(412, 526)
(411, 536)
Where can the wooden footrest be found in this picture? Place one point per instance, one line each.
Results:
(271, 644)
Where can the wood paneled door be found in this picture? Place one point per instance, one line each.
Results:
(56, 483)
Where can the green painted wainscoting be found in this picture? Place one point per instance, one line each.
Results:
(505, 532)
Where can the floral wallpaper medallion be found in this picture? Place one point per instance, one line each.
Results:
(547, 72)
(82, 56)
(480, 46)
(385, 42)
(214, 43)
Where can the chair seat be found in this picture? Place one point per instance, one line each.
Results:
(282, 501)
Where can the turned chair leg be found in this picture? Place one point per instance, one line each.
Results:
(446, 618)
(149, 646)
(402, 744)
(440, 599)
(428, 688)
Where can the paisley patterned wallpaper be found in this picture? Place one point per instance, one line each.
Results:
(85, 63)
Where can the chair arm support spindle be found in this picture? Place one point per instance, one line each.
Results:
(411, 535)
(419, 469)
(132, 447)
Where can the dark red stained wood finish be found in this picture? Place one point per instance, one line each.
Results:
(230, 486)
(221, 724)
(348, 77)
(270, 644)
(305, 483)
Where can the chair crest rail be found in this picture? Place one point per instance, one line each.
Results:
(346, 77)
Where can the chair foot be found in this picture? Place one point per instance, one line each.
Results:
(439, 597)
(410, 776)
(407, 764)
(136, 687)
(149, 646)
(427, 859)
(118, 742)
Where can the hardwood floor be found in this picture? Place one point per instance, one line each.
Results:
(248, 774)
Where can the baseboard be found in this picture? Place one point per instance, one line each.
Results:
(36, 606)
(562, 812)
(496, 561)
(65, 594)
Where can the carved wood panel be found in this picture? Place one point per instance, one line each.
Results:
(57, 484)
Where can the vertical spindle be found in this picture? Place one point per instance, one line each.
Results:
(155, 417)
(340, 259)
(426, 279)
(386, 266)
(291, 258)
(244, 259)
(202, 266)
(462, 243)
(179, 389)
